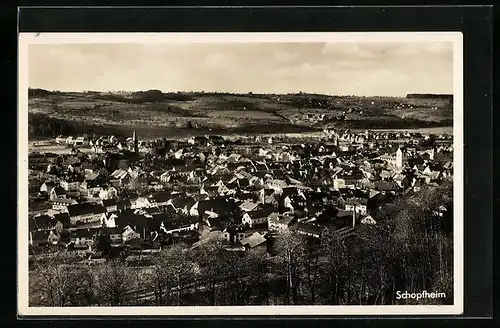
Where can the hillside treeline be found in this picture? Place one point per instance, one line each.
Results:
(411, 250)
(140, 97)
(429, 96)
(42, 125)
(46, 126)
(407, 123)
(33, 92)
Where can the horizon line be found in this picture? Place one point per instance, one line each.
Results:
(246, 93)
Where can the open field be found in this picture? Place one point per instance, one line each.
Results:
(154, 113)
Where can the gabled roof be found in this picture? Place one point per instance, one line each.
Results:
(448, 165)
(434, 175)
(180, 222)
(119, 174)
(248, 205)
(161, 197)
(385, 185)
(218, 204)
(312, 228)
(253, 240)
(282, 219)
(44, 222)
(220, 222)
(356, 201)
(344, 221)
(262, 212)
(183, 201)
(85, 208)
(91, 176)
(59, 190)
(65, 201)
(63, 218)
(83, 233)
(109, 202)
(40, 235)
(129, 218)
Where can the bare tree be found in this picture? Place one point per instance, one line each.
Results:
(290, 249)
(175, 270)
(114, 282)
(215, 264)
(55, 282)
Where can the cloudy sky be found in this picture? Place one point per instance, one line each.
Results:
(392, 69)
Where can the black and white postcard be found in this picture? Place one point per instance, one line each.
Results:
(240, 174)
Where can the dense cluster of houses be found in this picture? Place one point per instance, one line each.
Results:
(202, 189)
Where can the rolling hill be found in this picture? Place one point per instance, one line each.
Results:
(154, 113)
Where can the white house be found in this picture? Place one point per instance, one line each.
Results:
(86, 213)
(108, 193)
(193, 211)
(179, 225)
(70, 185)
(279, 223)
(129, 234)
(140, 202)
(368, 220)
(256, 217)
(288, 204)
(356, 205)
(109, 221)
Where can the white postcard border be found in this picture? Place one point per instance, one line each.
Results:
(341, 37)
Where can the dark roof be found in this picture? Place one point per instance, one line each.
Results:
(85, 208)
(110, 231)
(124, 203)
(128, 217)
(40, 235)
(357, 201)
(59, 190)
(218, 204)
(109, 202)
(262, 212)
(152, 210)
(170, 209)
(44, 222)
(220, 222)
(343, 221)
(182, 201)
(161, 197)
(87, 233)
(385, 185)
(289, 191)
(309, 227)
(216, 137)
(179, 223)
(63, 218)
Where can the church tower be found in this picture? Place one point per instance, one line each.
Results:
(400, 158)
(135, 142)
(432, 153)
(336, 139)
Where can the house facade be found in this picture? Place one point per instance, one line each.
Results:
(86, 213)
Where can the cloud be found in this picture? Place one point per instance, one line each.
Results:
(218, 60)
(284, 57)
(341, 68)
(350, 51)
(303, 70)
(436, 50)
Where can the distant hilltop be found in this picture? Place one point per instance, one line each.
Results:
(429, 96)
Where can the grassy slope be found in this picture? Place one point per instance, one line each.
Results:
(185, 113)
